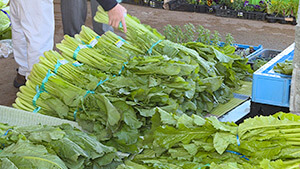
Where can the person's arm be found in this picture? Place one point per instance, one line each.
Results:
(116, 13)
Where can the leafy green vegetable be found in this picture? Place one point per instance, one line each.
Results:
(284, 68)
(52, 147)
(112, 87)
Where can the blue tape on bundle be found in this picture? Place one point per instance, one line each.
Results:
(89, 92)
(75, 113)
(58, 64)
(37, 95)
(151, 48)
(123, 40)
(36, 109)
(206, 165)
(238, 140)
(242, 156)
(6, 15)
(123, 67)
(48, 75)
(102, 81)
(78, 49)
(5, 134)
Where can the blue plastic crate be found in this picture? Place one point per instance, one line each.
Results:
(273, 88)
(257, 49)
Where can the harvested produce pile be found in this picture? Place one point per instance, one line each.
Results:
(112, 86)
(58, 147)
(284, 68)
(192, 142)
(172, 141)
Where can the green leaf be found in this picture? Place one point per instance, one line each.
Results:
(67, 149)
(146, 112)
(7, 164)
(185, 121)
(228, 165)
(112, 113)
(198, 120)
(129, 114)
(192, 149)
(166, 118)
(27, 155)
(131, 165)
(223, 140)
(169, 136)
(221, 126)
(222, 57)
(127, 134)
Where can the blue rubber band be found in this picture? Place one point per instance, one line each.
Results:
(45, 80)
(79, 47)
(58, 64)
(89, 92)
(238, 140)
(123, 67)
(37, 95)
(102, 81)
(151, 48)
(5, 134)
(76, 53)
(75, 113)
(36, 109)
(7, 16)
(206, 165)
(242, 156)
(123, 40)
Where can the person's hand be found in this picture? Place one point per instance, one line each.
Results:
(116, 16)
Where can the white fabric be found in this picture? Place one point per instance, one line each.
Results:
(32, 31)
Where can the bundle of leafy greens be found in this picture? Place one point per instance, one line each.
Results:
(5, 29)
(193, 142)
(206, 56)
(112, 86)
(58, 147)
(284, 68)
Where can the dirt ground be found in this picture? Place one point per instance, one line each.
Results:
(270, 35)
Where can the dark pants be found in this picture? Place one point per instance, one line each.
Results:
(74, 14)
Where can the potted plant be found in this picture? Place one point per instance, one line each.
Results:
(284, 11)
(211, 6)
(182, 5)
(200, 6)
(155, 3)
(224, 9)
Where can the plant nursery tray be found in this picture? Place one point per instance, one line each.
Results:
(256, 49)
(281, 19)
(270, 87)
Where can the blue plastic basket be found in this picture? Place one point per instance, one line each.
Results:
(257, 49)
(273, 88)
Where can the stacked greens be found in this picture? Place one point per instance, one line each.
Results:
(58, 147)
(112, 86)
(193, 142)
(284, 68)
